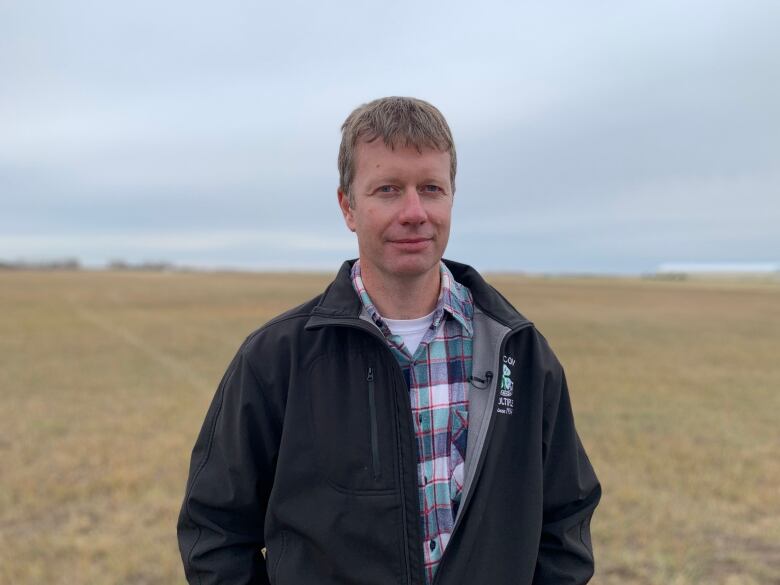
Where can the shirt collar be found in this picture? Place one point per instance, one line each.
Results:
(454, 298)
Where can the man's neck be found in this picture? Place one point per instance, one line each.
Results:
(407, 298)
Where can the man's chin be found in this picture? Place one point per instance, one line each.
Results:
(412, 267)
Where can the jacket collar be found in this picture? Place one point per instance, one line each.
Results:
(340, 301)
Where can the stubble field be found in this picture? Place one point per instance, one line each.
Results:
(105, 378)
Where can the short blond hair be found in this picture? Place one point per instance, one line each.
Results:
(399, 121)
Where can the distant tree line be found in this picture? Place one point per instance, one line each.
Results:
(155, 266)
(62, 264)
(74, 264)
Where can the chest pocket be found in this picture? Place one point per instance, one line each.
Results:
(353, 420)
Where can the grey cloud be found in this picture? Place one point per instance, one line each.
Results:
(604, 136)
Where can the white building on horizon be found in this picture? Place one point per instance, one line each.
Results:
(720, 268)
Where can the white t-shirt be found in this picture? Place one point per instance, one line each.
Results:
(411, 330)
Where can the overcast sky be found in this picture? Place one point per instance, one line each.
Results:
(598, 136)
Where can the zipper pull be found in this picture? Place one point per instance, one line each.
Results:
(370, 377)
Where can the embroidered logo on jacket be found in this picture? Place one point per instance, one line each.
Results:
(505, 401)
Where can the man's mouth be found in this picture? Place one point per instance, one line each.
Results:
(411, 245)
(410, 240)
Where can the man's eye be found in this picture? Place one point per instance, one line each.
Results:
(432, 188)
(386, 189)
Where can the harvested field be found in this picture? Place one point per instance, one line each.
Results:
(106, 377)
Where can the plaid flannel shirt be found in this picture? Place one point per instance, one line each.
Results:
(437, 378)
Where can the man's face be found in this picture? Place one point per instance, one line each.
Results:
(402, 208)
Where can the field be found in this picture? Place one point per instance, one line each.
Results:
(105, 378)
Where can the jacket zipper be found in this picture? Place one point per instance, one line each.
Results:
(374, 435)
(480, 461)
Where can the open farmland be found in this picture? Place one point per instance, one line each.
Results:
(105, 378)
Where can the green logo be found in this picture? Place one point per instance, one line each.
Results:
(506, 382)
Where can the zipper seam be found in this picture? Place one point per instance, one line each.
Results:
(374, 434)
(404, 522)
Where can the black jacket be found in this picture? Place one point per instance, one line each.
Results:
(294, 457)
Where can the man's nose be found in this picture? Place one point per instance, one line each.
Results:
(412, 210)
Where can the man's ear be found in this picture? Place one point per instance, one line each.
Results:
(346, 210)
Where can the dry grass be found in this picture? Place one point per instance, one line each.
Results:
(105, 379)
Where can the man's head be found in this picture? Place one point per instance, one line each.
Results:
(397, 167)
(398, 122)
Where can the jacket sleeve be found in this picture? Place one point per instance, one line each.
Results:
(220, 526)
(571, 493)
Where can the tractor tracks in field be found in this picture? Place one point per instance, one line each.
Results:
(175, 366)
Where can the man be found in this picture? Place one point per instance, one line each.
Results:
(407, 425)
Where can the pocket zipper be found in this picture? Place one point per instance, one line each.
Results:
(374, 436)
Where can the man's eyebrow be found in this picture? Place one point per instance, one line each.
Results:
(383, 180)
(393, 178)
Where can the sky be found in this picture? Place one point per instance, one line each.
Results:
(608, 137)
